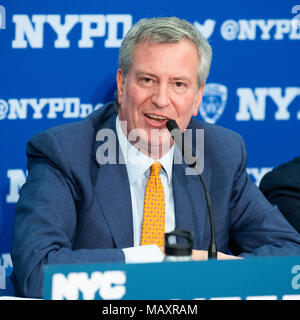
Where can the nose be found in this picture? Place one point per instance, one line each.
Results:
(160, 96)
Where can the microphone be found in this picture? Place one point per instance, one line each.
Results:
(191, 160)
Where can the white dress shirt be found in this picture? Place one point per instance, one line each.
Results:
(138, 169)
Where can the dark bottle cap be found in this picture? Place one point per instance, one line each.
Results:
(181, 247)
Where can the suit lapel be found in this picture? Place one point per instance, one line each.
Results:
(113, 193)
(113, 190)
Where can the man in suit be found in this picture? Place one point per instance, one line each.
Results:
(281, 186)
(83, 200)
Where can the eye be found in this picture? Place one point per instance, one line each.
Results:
(180, 86)
(145, 81)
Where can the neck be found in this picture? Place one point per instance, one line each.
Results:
(155, 146)
(155, 152)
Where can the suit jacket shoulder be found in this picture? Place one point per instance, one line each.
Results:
(223, 148)
(75, 134)
(69, 147)
(285, 175)
(281, 186)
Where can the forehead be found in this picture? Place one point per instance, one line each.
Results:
(179, 57)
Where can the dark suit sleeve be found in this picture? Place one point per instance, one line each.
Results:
(281, 186)
(46, 219)
(257, 227)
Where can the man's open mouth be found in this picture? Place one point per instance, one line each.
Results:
(156, 117)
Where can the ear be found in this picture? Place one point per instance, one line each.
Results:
(120, 85)
(198, 100)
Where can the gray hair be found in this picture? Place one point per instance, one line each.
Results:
(165, 30)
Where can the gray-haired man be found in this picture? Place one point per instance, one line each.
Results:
(74, 209)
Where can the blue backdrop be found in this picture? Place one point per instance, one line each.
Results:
(58, 61)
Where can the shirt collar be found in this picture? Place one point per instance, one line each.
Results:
(137, 163)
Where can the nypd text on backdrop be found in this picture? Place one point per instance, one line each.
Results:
(29, 30)
(251, 105)
(31, 107)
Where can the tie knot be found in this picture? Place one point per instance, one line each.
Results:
(155, 169)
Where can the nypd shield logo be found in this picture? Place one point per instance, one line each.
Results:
(213, 102)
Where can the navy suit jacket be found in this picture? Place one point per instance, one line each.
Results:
(73, 210)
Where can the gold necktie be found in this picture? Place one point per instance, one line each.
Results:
(153, 227)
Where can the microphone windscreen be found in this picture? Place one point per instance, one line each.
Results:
(171, 124)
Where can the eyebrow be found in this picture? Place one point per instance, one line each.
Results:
(143, 73)
(182, 78)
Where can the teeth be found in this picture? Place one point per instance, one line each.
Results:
(156, 117)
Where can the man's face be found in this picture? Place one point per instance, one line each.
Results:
(161, 84)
